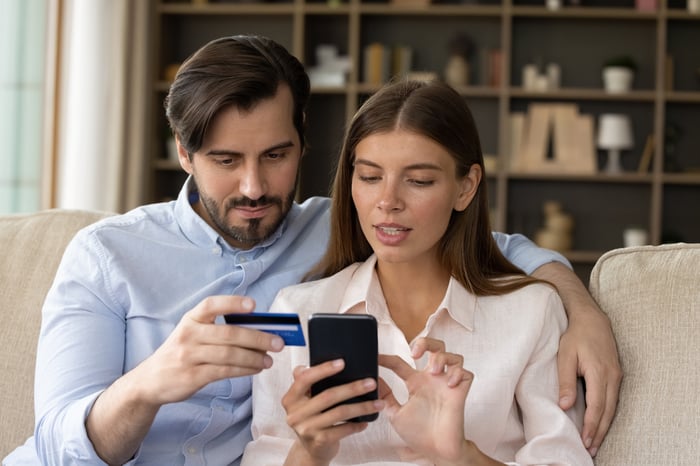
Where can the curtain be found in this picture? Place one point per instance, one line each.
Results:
(102, 87)
(22, 49)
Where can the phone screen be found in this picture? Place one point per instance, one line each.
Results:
(352, 337)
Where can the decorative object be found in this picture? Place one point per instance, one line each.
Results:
(646, 5)
(530, 73)
(614, 135)
(557, 232)
(618, 74)
(331, 69)
(553, 76)
(635, 236)
(457, 69)
(553, 4)
(694, 6)
(552, 138)
(534, 80)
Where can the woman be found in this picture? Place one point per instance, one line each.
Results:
(467, 341)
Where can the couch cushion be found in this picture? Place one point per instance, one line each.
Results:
(652, 296)
(32, 246)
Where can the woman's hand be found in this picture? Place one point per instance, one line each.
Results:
(317, 421)
(431, 422)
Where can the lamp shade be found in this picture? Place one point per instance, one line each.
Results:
(615, 132)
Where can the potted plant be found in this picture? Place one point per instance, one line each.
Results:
(618, 74)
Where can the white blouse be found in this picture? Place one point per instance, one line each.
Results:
(509, 342)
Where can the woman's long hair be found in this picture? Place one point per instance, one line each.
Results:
(467, 249)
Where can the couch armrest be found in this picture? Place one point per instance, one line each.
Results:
(652, 296)
(32, 246)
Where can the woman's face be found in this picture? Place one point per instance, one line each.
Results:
(404, 187)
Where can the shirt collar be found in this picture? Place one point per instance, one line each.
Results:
(364, 287)
(197, 230)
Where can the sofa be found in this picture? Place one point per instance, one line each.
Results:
(650, 293)
(32, 246)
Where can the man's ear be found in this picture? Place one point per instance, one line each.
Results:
(183, 156)
(469, 184)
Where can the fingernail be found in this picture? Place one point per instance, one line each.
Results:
(378, 405)
(277, 343)
(248, 304)
(588, 442)
(267, 361)
(368, 383)
(564, 400)
(593, 451)
(338, 363)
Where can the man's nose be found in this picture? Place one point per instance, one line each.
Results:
(252, 184)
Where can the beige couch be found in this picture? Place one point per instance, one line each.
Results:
(652, 295)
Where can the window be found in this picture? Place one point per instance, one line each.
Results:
(22, 82)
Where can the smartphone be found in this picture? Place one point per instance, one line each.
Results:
(352, 337)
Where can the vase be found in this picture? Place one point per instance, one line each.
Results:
(457, 71)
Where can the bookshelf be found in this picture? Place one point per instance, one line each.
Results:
(577, 38)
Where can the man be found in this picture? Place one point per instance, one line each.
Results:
(133, 364)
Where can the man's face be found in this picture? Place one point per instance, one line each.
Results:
(246, 170)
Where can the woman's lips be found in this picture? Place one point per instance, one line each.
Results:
(391, 234)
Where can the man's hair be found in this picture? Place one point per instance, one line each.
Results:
(237, 70)
(467, 248)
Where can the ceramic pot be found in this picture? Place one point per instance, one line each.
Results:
(617, 79)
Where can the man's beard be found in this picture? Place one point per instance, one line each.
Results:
(254, 232)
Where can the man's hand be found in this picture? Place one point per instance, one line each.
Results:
(199, 352)
(196, 353)
(587, 349)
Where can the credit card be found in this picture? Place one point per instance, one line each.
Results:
(286, 326)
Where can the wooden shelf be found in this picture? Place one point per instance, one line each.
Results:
(577, 38)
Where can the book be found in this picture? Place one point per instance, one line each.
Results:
(375, 57)
(647, 155)
(401, 60)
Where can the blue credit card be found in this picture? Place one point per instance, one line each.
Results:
(286, 326)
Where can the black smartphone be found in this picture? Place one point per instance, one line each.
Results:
(352, 337)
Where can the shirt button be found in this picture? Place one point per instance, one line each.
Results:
(243, 259)
(191, 450)
(215, 250)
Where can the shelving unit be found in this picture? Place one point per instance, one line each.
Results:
(578, 38)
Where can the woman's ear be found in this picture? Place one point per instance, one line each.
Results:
(469, 185)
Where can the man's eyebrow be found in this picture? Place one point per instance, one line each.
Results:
(281, 145)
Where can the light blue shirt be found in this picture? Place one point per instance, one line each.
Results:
(122, 287)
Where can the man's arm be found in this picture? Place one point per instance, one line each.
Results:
(197, 353)
(588, 346)
(587, 349)
(87, 409)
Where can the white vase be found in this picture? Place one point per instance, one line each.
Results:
(617, 79)
(457, 71)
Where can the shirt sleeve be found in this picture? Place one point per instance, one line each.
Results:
(551, 436)
(524, 253)
(80, 353)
